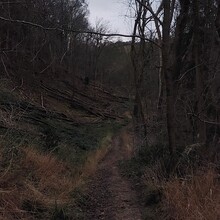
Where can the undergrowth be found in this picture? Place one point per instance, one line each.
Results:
(36, 185)
(196, 197)
(192, 192)
(31, 183)
(45, 158)
(39, 173)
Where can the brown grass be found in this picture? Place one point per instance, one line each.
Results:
(196, 198)
(95, 157)
(33, 183)
(50, 176)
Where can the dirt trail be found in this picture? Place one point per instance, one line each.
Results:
(111, 194)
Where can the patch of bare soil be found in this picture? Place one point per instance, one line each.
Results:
(111, 196)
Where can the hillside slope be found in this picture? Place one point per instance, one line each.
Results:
(50, 141)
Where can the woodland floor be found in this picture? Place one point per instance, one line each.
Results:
(111, 196)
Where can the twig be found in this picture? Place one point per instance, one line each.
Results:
(18, 87)
(5, 68)
(205, 121)
(42, 71)
(42, 101)
(39, 51)
(188, 71)
(63, 56)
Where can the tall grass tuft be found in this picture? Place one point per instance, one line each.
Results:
(33, 183)
(194, 198)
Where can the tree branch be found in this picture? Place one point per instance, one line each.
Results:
(149, 8)
(4, 3)
(205, 121)
(75, 31)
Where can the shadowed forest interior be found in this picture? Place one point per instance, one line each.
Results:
(98, 124)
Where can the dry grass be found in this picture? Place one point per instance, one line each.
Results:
(50, 176)
(95, 157)
(153, 176)
(196, 198)
(33, 183)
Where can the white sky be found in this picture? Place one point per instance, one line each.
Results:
(113, 12)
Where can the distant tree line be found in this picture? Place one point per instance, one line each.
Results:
(29, 52)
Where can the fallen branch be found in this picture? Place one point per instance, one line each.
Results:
(78, 102)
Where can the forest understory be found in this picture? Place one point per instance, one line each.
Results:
(56, 167)
(93, 126)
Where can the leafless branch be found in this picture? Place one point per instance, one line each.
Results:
(6, 3)
(205, 121)
(39, 51)
(4, 50)
(76, 31)
(188, 71)
(149, 8)
(47, 67)
(61, 60)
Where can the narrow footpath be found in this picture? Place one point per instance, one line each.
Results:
(111, 194)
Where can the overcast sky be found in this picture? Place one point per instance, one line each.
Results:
(113, 12)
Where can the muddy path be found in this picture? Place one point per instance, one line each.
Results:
(111, 194)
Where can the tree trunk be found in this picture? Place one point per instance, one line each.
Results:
(217, 21)
(168, 79)
(138, 70)
(161, 81)
(201, 127)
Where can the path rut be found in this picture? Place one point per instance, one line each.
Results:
(111, 194)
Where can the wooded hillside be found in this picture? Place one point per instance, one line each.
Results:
(67, 87)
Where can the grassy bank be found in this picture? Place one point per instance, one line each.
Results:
(191, 192)
(39, 184)
(46, 154)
